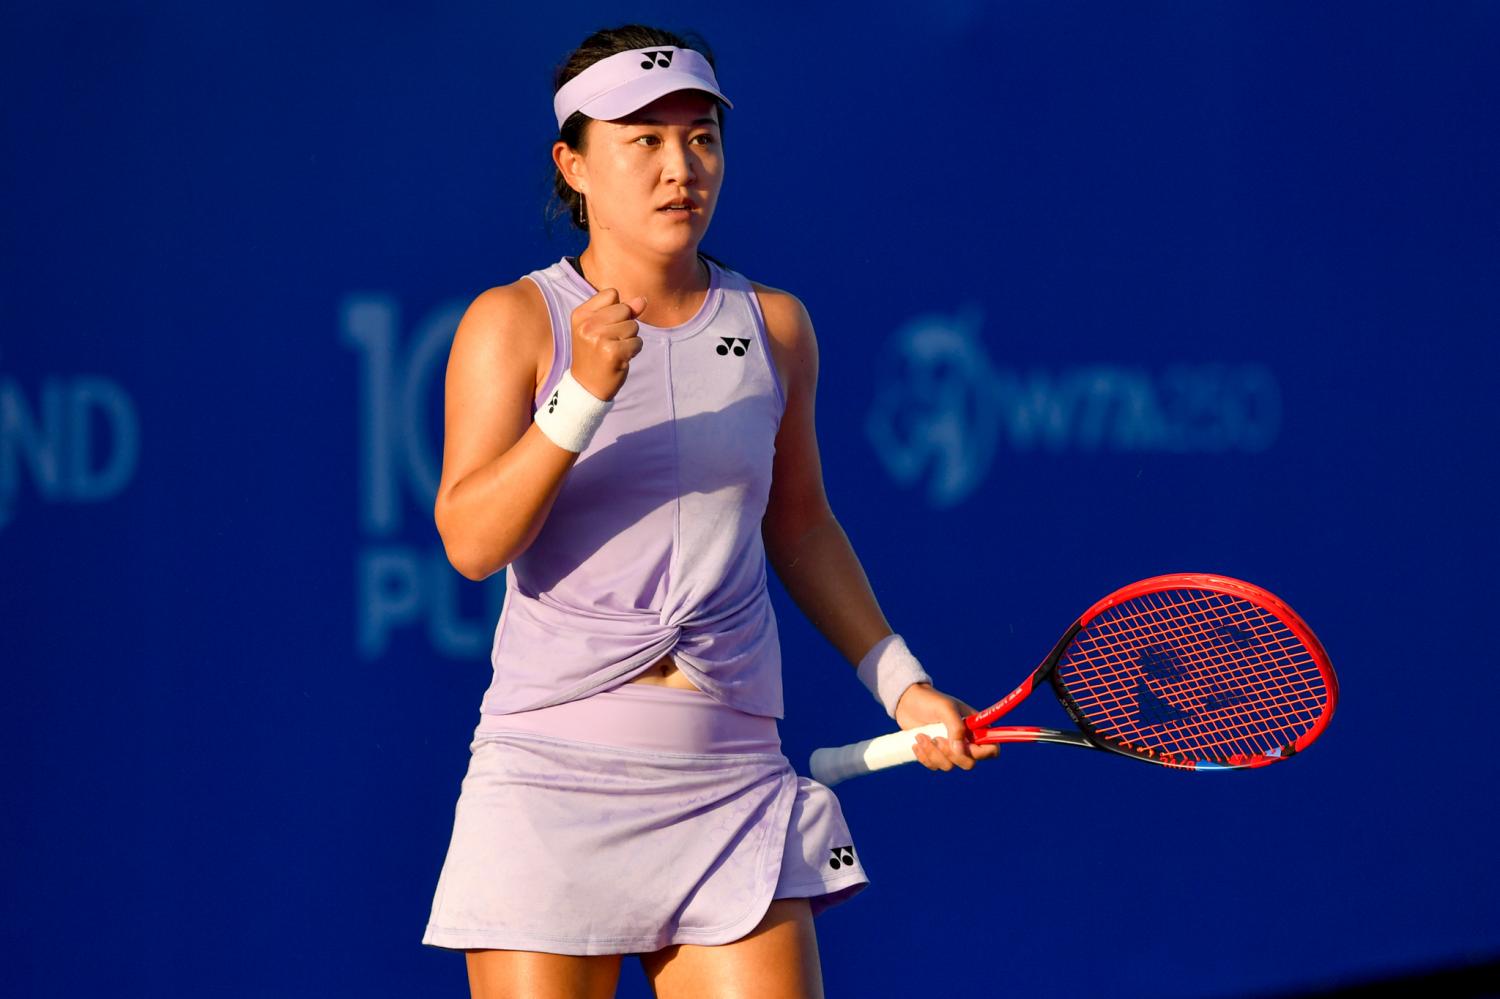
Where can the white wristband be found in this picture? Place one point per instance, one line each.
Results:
(888, 669)
(571, 414)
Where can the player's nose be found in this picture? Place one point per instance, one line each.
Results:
(677, 163)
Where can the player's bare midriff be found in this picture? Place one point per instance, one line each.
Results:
(664, 673)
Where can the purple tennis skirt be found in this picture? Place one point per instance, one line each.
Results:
(635, 818)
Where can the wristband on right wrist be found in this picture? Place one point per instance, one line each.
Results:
(571, 414)
(888, 669)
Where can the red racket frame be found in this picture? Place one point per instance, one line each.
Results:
(979, 723)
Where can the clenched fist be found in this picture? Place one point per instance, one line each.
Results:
(604, 340)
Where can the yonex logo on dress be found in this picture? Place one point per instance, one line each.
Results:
(843, 856)
(552, 402)
(732, 343)
(660, 58)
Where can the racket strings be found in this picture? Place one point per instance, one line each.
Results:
(1259, 725)
(1194, 675)
(1180, 646)
(1170, 714)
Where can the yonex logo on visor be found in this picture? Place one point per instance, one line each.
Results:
(627, 81)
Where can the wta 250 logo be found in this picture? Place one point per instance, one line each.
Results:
(942, 408)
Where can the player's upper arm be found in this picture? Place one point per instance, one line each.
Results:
(797, 501)
(502, 339)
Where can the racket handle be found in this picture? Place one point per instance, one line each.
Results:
(835, 763)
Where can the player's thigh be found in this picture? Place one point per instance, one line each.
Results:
(524, 974)
(776, 960)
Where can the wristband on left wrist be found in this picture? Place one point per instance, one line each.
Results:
(888, 669)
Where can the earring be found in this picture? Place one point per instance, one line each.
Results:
(583, 218)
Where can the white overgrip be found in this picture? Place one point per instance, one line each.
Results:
(836, 763)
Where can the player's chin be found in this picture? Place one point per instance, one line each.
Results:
(681, 240)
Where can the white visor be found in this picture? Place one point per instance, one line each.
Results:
(627, 81)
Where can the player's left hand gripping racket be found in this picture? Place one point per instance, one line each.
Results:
(1190, 671)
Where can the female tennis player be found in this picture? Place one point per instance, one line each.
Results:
(631, 432)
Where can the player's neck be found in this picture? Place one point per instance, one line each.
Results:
(673, 285)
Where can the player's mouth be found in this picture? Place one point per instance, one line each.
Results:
(684, 207)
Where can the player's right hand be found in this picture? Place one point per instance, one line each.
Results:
(921, 705)
(605, 338)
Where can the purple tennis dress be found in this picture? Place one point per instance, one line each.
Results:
(599, 816)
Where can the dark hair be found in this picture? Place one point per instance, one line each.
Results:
(601, 44)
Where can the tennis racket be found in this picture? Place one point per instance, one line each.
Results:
(1191, 671)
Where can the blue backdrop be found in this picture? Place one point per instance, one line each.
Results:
(1103, 291)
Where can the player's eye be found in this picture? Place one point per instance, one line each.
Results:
(653, 138)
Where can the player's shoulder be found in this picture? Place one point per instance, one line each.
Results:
(787, 319)
(520, 300)
(513, 315)
(505, 333)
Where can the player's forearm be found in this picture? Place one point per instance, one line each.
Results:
(824, 578)
(494, 513)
